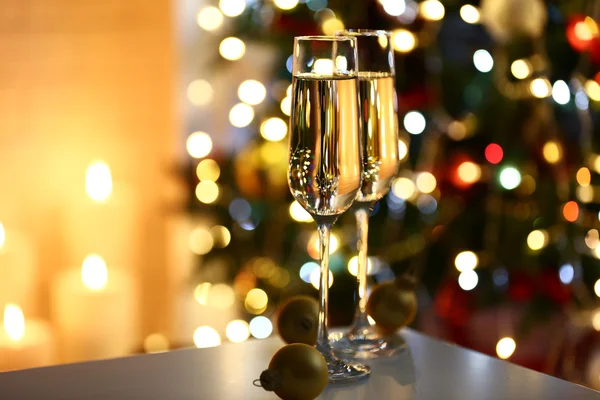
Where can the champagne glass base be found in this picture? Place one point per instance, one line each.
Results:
(341, 371)
(366, 343)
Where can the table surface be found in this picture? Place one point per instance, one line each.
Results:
(429, 369)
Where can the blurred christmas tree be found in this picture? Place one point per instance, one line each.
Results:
(495, 205)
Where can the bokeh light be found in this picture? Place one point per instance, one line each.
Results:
(207, 192)
(393, 7)
(483, 61)
(494, 153)
(298, 213)
(331, 26)
(505, 347)
(221, 296)
(426, 182)
(315, 277)
(2, 235)
(566, 273)
(273, 129)
(261, 327)
(469, 172)
(584, 177)
(521, 69)
(286, 106)
(232, 8)
(98, 181)
(466, 260)
(592, 88)
(561, 92)
(592, 238)
(470, 14)
(537, 239)
(252, 92)
(307, 269)
(201, 241)
(94, 273)
(404, 41)
(510, 178)
(232, 48)
(237, 331)
(221, 236)
(208, 170)
(353, 266)
(571, 211)
(156, 343)
(201, 293)
(199, 144)
(286, 4)
(240, 209)
(256, 301)
(241, 115)
(206, 336)
(432, 10)
(209, 18)
(314, 244)
(316, 5)
(597, 288)
(402, 149)
(403, 188)
(414, 122)
(552, 152)
(200, 92)
(467, 280)
(540, 88)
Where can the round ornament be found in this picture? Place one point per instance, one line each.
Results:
(296, 372)
(391, 306)
(507, 19)
(297, 320)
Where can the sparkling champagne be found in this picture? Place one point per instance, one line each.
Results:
(325, 164)
(379, 123)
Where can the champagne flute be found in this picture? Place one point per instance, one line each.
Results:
(379, 123)
(325, 158)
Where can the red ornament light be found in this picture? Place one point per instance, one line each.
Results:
(571, 211)
(581, 31)
(494, 153)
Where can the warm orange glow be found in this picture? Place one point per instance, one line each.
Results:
(14, 322)
(584, 178)
(571, 211)
(469, 172)
(98, 181)
(94, 273)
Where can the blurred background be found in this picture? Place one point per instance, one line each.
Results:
(143, 196)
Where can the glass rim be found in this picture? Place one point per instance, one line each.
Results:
(324, 38)
(363, 32)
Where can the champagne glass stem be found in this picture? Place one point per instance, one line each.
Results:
(362, 223)
(322, 337)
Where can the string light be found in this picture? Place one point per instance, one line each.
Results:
(520, 69)
(469, 172)
(584, 177)
(208, 170)
(483, 61)
(494, 153)
(540, 88)
(466, 260)
(537, 239)
(404, 41)
(571, 211)
(561, 93)
(232, 48)
(470, 14)
(393, 7)
(592, 88)
(207, 192)
(552, 152)
(286, 4)
(273, 129)
(241, 115)
(209, 18)
(200, 92)
(252, 92)
(426, 182)
(261, 327)
(232, 8)
(505, 347)
(414, 122)
(467, 280)
(206, 336)
(199, 144)
(510, 178)
(432, 10)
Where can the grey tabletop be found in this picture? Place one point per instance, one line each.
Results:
(429, 369)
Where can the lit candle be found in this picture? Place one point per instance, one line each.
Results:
(24, 344)
(103, 222)
(94, 309)
(17, 270)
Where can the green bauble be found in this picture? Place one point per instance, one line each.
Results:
(391, 306)
(296, 372)
(297, 320)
